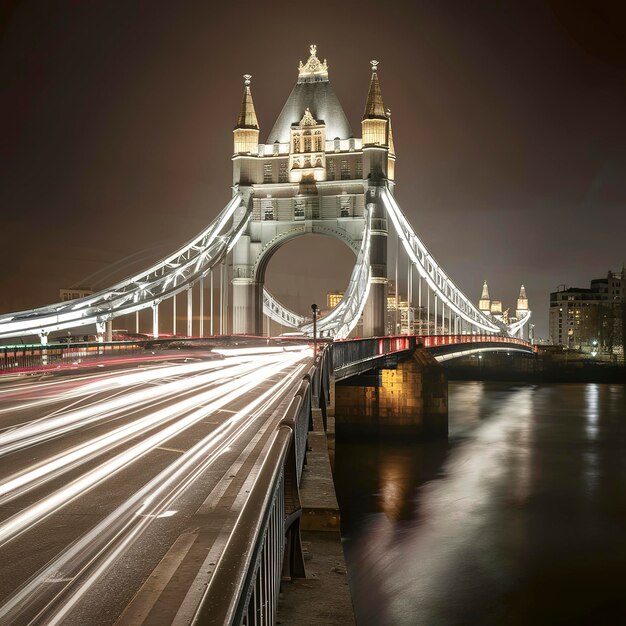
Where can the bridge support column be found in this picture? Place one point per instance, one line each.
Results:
(247, 292)
(375, 313)
(409, 401)
(155, 320)
(247, 307)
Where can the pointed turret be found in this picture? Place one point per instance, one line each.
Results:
(374, 123)
(485, 302)
(522, 303)
(391, 160)
(246, 133)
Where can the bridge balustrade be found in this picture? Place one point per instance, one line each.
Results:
(350, 351)
(265, 543)
(432, 341)
(28, 358)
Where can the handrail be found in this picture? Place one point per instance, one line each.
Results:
(245, 584)
(227, 595)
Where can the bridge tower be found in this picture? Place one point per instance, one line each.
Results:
(484, 304)
(311, 176)
(521, 309)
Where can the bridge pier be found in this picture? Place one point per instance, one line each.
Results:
(409, 401)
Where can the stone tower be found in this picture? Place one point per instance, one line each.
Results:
(311, 176)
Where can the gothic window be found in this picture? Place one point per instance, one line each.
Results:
(267, 173)
(330, 166)
(282, 172)
(298, 210)
(345, 206)
(296, 143)
(318, 141)
(345, 169)
(307, 144)
(359, 168)
(268, 210)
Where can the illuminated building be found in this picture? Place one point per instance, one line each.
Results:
(333, 298)
(590, 319)
(311, 175)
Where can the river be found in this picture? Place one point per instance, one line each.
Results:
(518, 518)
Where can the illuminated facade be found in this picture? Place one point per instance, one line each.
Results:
(333, 298)
(311, 175)
(590, 319)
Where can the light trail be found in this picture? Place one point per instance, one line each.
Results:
(32, 515)
(80, 566)
(20, 483)
(47, 428)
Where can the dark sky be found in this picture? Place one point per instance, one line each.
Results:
(509, 124)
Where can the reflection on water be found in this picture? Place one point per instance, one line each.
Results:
(519, 518)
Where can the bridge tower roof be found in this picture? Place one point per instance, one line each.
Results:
(247, 115)
(374, 108)
(313, 91)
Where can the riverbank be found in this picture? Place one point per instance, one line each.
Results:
(534, 369)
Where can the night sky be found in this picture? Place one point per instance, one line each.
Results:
(509, 122)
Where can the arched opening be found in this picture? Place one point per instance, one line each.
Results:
(304, 271)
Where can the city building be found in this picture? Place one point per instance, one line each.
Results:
(74, 293)
(590, 319)
(333, 298)
(401, 320)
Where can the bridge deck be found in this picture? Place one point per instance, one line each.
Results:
(124, 526)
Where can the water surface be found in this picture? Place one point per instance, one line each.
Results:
(519, 518)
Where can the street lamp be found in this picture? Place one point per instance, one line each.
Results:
(315, 309)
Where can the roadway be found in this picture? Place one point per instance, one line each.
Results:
(119, 483)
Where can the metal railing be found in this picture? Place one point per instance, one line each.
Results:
(265, 544)
(28, 358)
(432, 341)
(349, 352)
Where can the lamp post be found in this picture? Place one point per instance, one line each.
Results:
(315, 309)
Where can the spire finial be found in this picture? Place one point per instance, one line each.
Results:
(313, 68)
(374, 63)
(247, 79)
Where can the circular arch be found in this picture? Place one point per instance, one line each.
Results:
(282, 238)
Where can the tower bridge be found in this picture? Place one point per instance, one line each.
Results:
(184, 467)
(312, 175)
